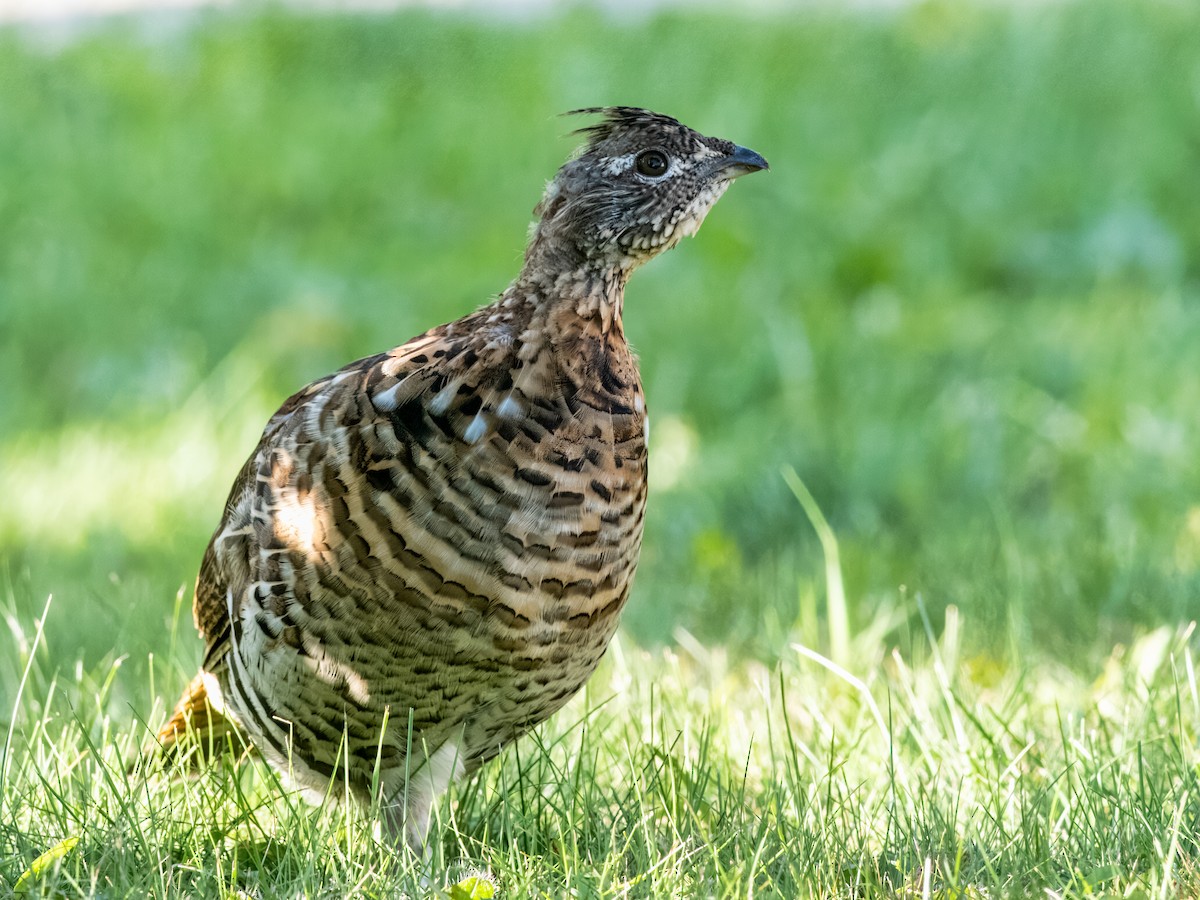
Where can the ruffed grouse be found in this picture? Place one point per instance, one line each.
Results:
(427, 553)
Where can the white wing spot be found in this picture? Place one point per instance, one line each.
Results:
(385, 401)
(441, 400)
(476, 430)
(509, 408)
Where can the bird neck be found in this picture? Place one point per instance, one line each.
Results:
(583, 298)
(567, 325)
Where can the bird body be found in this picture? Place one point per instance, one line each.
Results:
(428, 552)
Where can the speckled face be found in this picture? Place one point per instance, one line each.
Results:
(641, 183)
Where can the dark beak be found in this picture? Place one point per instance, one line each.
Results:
(743, 161)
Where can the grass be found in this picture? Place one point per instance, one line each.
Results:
(682, 773)
(962, 309)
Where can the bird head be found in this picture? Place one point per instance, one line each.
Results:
(640, 183)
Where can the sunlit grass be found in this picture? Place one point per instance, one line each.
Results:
(927, 772)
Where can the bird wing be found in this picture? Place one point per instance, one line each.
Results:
(226, 566)
(362, 423)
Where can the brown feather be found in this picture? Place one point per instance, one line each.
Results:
(196, 731)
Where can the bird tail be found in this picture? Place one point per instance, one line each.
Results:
(197, 730)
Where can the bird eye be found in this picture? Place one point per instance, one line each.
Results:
(652, 163)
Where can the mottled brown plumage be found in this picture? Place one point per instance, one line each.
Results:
(428, 551)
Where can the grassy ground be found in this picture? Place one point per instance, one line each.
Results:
(963, 307)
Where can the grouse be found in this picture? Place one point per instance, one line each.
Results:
(427, 552)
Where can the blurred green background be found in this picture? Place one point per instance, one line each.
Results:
(964, 304)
